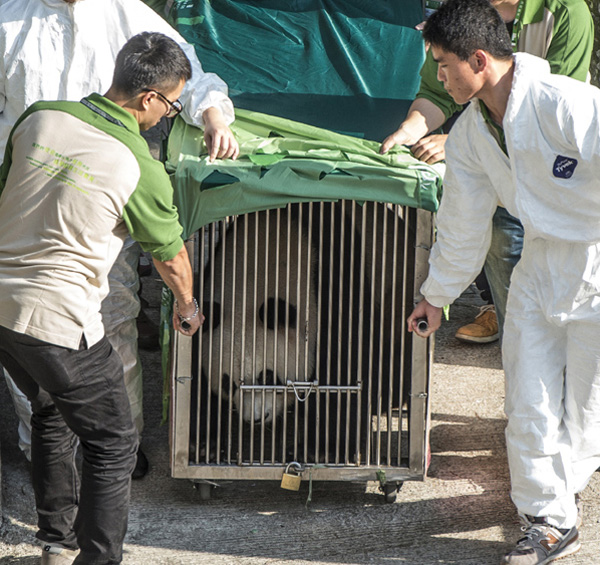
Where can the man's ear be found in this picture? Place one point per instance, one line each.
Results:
(144, 99)
(479, 61)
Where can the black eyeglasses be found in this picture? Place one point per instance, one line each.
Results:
(174, 107)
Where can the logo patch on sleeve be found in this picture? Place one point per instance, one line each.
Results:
(564, 167)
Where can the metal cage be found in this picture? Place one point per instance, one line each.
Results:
(304, 357)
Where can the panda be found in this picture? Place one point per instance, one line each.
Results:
(262, 315)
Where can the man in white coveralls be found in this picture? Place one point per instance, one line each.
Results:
(529, 141)
(64, 50)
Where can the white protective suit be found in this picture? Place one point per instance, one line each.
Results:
(58, 51)
(551, 350)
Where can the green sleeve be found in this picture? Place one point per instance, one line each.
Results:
(433, 90)
(150, 214)
(570, 50)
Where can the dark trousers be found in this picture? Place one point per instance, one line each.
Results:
(77, 394)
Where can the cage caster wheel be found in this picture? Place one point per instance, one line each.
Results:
(204, 489)
(390, 491)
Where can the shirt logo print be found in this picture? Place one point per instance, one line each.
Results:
(564, 167)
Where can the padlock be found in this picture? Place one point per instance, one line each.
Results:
(291, 481)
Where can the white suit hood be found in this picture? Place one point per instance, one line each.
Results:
(58, 51)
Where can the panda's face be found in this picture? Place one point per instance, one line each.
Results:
(260, 332)
(258, 394)
(252, 408)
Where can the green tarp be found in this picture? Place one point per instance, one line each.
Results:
(282, 161)
(350, 66)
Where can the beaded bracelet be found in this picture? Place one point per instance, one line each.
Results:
(187, 318)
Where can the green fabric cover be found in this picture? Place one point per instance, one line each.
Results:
(351, 66)
(282, 161)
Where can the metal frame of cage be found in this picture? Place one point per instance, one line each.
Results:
(356, 437)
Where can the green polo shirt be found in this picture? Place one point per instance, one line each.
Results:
(496, 130)
(77, 178)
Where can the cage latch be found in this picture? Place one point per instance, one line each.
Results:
(303, 390)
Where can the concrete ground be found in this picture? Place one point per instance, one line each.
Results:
(461, 513)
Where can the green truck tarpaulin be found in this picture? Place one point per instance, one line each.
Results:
(283, 161)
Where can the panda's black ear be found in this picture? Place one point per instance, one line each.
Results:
(286, 314)
(212, 315)
(225, 384)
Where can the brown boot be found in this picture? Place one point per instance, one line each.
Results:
(484, 329)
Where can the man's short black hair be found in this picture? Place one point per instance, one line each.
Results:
(150, 60)
(464, 26)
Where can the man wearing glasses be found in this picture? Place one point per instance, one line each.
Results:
(76, 180)
(64, 50)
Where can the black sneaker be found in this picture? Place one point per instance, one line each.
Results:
(57, 555)
(542, 543)
(141, 465)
